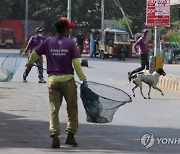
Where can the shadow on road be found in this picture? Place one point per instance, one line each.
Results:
(21, 132)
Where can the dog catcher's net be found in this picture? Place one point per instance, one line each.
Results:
(101, 101)
(9, 66)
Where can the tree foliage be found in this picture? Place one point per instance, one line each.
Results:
(6, 7)
(122, 22)
(48, 11)
(174, 36)
(86, 14)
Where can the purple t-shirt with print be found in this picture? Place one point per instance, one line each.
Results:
(35, 40)
(143, 45)
(59, 51)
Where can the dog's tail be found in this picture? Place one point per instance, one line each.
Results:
(132, 78)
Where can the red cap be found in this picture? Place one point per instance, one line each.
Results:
(70, 25)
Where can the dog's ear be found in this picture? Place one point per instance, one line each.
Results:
(158, 70)
(161, 71)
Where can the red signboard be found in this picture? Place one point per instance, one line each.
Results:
(157, 12)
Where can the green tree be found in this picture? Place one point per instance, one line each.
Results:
(135, 11)
(176, 25)
(174, 9)
(174, 36)
(6, 7)
(48, 11)
(122, 22)
(86, 14)
(17, 10)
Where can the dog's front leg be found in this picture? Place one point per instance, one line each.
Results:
(140, 86)
(158, 90)
(149, 92)
(134, 89)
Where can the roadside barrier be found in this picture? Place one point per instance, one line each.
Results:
(170, 83)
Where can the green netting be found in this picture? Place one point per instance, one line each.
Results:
(102, 101)
(9, 66)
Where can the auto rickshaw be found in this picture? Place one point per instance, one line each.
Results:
(114, 42)
(6, 37)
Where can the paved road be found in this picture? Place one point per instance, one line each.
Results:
(24, 116)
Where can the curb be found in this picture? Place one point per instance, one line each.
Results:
(170, 83)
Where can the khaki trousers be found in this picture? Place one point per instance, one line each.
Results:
(58, 90)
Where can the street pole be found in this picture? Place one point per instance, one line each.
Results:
(155, 40)
(69, 13)
(69, 10)
(26, 21)
(124, 16)
(157, 55)
(102, 14)
(161, 17)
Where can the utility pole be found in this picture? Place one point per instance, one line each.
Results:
(69, 10)
(26, 21)
(69, 13)
(122, 11)
(102, 14)
(156, 41)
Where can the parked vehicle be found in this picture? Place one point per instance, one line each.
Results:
(176, 56)
(6, 37)
(114, 42)
(171, 52)
(17, 28)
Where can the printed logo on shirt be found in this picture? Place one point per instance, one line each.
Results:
(58, 52)
(59, 42)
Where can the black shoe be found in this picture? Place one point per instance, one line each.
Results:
(24, 80)
(55, 142)
(129, 76)
(70, 139)
(42, 81)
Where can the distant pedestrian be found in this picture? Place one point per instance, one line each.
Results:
(62, 58)
(92, 44)
(80, 42)
(141, 47)
(33, 42)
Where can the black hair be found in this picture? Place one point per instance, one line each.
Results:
(60, 25)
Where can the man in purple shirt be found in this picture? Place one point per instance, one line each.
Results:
(62, 58)
(33, 42)
(141, 47)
